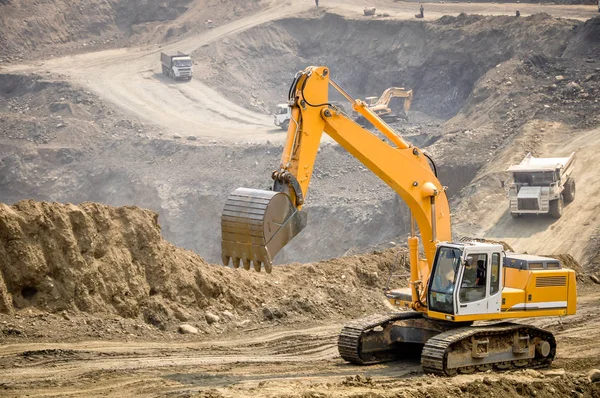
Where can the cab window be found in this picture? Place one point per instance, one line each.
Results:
(495, 274)
(473, 285)
(445, 269)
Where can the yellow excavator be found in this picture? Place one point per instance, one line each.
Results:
(381, 105)
(453, 286)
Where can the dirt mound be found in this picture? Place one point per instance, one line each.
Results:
(95, 258)
(99, 259)
(567, 261)
(586, 42)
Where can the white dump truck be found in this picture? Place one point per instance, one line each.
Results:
(541, 185)
(178, 66)
(282, 116)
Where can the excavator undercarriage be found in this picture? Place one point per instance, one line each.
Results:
(445, 348)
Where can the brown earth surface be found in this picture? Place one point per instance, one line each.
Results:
(108, 277)
(95, 302)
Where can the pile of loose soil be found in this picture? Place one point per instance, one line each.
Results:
(99, 259)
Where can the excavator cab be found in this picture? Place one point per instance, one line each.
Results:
(466, 279)
(371, 101)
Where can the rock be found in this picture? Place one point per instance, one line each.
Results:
(487, 381)
(369, 11)
(573, 87)
(192, 138)
(595, 279)
(268, 314)
(559, 78)
(243, 323)
(60, 106)
(66, 316)
(594, 376)
(182, 314)
(211, 318)
(228, 315)
(176, 136)
(12, 331)
(272, 313)
(187, 329)
(532, 373)
(555, 373)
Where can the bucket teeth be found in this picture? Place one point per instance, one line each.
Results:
(225, 259)
(256, 225)
(268, 268)
(247, 264)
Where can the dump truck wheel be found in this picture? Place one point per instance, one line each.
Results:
(284, 126)
(556, 208)
(569, 192)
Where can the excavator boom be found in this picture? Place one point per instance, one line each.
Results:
(257, 224)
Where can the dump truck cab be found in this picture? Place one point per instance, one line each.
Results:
(177, 66)
(541, 185)
(282, 116)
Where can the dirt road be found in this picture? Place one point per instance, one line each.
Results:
(131, 79)
(259, 363)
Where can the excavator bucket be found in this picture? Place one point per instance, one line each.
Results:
(255, 225)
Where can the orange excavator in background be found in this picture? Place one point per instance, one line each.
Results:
(381, 105)
(453, 286)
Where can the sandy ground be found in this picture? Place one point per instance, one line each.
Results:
(131, 79)
(259, 363)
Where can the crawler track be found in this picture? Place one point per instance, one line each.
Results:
(350, 338)
(438, 349)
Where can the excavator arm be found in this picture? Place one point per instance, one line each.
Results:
(256, 224)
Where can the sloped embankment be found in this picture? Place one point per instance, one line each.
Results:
(100, 259)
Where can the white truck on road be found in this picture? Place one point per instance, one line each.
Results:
(178, 66)
(282, 116)
(541, 185)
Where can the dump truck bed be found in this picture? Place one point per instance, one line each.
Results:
(532, 164)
